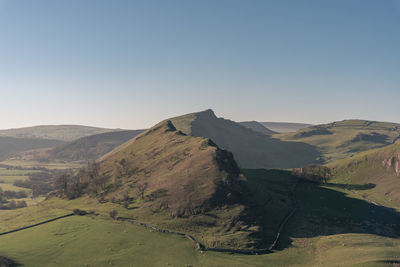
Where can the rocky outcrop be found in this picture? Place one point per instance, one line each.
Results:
(392, 163)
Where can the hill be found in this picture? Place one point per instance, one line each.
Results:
(55, 132)
(11, 145)
(187, 184)
(285, 127)
(338, 140)
(378, 168)
(251, 149)
(256, 126)
(84, 149)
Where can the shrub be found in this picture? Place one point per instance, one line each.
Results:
(114, 214)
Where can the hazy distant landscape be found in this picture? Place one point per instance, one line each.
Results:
(200, 133)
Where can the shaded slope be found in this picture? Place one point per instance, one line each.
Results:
(56, 132)
(256, 126)
(285, 127)
(11, 145)
(342, 139)
(251, 149)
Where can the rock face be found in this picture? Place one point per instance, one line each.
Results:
(174, 173)
(393, 163)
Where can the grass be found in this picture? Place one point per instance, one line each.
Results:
(100, 241)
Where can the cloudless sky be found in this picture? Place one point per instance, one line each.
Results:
(130, 64)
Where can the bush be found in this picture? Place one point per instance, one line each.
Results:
(114, 214)
(80, 212)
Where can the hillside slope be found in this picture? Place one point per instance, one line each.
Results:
(84, 149)
(256, 126)
(250, 149)
(285, 127)
(11, 145)
(346, 138)
(92, 147)
(378, 168)
(164, 174)
(55, 132)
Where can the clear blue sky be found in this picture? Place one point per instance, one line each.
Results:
(130, 64)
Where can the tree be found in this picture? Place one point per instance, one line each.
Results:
(142, 188)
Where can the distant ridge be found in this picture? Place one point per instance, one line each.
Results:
(55, 132)
(87, 148)
(258, 127)
(285, 127)
(11, 145)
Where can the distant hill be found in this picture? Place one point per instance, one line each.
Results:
(251, 149)
(256, 126)
(285, 127)
(338, 140)
(83, 149)
(55, 132)
(12, 145)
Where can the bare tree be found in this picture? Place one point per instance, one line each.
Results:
(142, 188)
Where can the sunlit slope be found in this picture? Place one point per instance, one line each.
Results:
(342, 139)
(251, 149)
(379, 168)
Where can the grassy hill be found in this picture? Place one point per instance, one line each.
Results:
(285, 127)
(251, 149)
(195, 182)
(379, 168)
(84, 149)
(256, 126)
(343, 139)
(11, 145)
(55, 132)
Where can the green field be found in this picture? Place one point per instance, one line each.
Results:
(330, 228)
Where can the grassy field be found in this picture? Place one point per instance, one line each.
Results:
(100, 241)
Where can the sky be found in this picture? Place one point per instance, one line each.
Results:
(130, 64)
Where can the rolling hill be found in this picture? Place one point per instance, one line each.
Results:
(55, 132)
(342, 139)
(251, 149)
(12, 145)
(84, 149)
(285, 127)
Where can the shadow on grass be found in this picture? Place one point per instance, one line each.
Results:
(325, 211)
(6, 262)
(352, 186)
